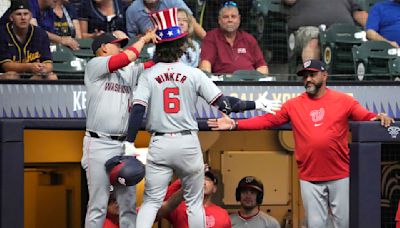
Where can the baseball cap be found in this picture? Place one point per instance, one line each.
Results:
(19, 4)
(107, 38)
(210, 175)
(311, 65)
(251, 182)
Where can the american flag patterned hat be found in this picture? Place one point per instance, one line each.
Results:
(166, 22)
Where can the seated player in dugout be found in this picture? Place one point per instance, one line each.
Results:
(174, 206)
(24, 48)
(227, 49)
(250, 194)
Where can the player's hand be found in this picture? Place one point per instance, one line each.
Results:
(266, 105)
(223, 123)
(151, 36)
(129, 148)
(384, 118)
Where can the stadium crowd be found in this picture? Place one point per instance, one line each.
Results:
(222, 39)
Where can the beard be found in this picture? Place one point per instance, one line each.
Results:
(312, 89)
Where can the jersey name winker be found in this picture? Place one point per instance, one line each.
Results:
(165, 77)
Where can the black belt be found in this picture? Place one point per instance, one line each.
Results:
(185, 132)
(113, 137)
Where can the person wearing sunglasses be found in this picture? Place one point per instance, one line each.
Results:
(227, 49)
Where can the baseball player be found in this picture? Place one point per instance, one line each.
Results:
(110, 79)
(319, 119)
(174, 208)
(250, 193)
(169, 90)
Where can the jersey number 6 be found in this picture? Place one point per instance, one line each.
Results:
(171, 104)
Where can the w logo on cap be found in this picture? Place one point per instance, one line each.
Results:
(166, 22)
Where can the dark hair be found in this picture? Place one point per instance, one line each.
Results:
(170, 51)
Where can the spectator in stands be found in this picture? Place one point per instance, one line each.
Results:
(212, 9)
(306, 15)
(66, 20)
(192, 55)
(99, 16)
(138, 20)
(227, 49)
(383, 22)
(250, 193)
(24, 48)
(44, 17)
(174, 208)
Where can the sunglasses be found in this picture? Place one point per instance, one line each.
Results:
(230, 3)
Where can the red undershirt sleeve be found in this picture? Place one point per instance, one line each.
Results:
(118, 61)
(265, 121)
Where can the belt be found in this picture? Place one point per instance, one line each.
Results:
(185, 132)
(113, 137)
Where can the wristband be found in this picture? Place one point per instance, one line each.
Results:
(134, 51)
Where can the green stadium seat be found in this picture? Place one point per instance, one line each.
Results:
(366, 4)
(244, 75)
(66, 64)
(372, 60)
(336, 43)
(394, 67)
(85, 50)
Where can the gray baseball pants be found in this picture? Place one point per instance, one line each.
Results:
(322, 196)
(169, 153)
(95, 154)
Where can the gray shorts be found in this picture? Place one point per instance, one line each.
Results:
(304, 34)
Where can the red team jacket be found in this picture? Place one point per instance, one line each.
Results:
(216, 217)
(320, 128)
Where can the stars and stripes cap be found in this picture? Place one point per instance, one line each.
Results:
(166, 22)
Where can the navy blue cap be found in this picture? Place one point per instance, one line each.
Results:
(107, 38)
(312, 65)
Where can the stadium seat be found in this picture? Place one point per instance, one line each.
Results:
(372, 60)
(66, 64)
(366, 4)
(85, 49)
(336, 43)
(394, 67)
(244, 75)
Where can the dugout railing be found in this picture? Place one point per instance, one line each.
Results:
(366, 182)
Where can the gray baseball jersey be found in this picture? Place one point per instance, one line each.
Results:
(261, 220)
(107, 105)
(170, 92)
(108, 96)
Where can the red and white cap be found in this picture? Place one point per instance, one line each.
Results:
(166, 22)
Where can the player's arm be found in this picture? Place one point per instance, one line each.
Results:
(256, 123)
(135, 121)
(229, 104)
(131, 53)
(172, 200)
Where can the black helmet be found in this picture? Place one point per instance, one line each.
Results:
(253, 183)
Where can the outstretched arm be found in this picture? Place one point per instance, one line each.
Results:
(228, 104)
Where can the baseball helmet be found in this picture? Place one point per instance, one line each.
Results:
(125, 170)
(253, 183)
